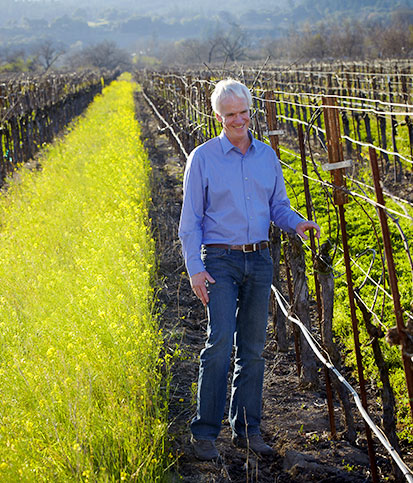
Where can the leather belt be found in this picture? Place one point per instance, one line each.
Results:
(251, 247)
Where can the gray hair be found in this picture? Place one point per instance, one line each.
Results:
(229, 88)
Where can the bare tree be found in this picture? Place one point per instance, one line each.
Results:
(213, 44)
(347, 40)
(314, 43)
(105, 55)
(234, 44)
(231, 45)
(47, 53)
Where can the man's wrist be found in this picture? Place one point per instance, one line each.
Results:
(195, 268)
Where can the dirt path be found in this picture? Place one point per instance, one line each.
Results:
(295, 422)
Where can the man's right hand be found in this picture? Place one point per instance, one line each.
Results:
(198, 285)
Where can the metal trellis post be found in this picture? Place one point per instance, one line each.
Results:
(407, 362)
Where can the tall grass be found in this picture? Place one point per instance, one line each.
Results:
(80, 366)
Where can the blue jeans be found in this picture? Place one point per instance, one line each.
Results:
(237, 315)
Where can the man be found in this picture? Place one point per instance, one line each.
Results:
(233, 188)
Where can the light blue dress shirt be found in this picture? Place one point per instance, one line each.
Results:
(230, 197)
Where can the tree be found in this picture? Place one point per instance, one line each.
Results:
(16, 61)
(228, 46)
(48, 52)
(105, 55)
(347, 40)
(234, 44)
(314, 42)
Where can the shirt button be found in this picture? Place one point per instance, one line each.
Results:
(246, 178)
(248, 197)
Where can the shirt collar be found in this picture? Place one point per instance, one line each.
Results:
(227, 145)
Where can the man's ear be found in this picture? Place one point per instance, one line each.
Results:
(218, 117)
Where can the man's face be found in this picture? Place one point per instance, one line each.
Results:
(235, 118)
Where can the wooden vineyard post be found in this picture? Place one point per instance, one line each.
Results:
(300, 306)
(272, 122)
(278, 317)
(336, 165)
(406, 346)
(397, 162)
(408, 119)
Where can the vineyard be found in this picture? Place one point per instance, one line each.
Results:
(85, 370)
(342, 131)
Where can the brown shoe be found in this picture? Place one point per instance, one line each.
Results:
(204, 449)
(254, 442)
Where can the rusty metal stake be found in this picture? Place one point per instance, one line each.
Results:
(309, 205)
(408, 369)
(335, 155)
(354, 323)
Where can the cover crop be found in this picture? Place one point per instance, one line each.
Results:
(79, 344)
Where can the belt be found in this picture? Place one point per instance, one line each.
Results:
(251, 247)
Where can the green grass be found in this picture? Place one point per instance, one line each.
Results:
(80, 365)
(361, 235)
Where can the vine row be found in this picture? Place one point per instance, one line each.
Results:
(35, 109)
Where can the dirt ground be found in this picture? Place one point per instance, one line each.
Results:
(295, 421)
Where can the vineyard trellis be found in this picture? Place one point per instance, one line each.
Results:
(369, 109)
(34, 109)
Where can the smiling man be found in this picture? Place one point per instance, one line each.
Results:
(233, 189)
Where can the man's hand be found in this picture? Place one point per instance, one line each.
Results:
(198, 285)
(307, 225)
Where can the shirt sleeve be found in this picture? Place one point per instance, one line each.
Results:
(191, 223)
(281, 213)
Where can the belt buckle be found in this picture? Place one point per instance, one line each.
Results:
(254, 248)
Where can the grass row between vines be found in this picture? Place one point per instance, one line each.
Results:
(80, 364)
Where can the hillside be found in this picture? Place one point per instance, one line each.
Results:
(23, 23)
